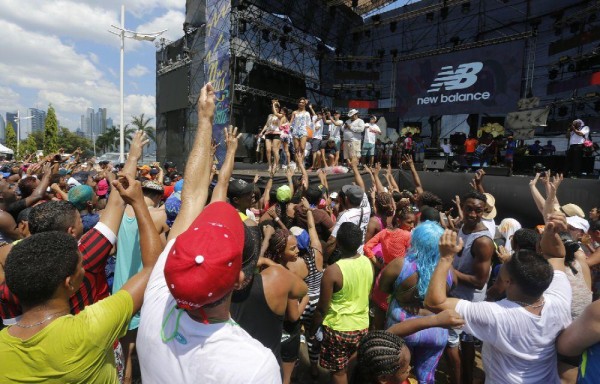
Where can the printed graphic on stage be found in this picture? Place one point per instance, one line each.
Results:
(485, 79)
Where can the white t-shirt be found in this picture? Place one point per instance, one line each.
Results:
(202, 353)
(576, 139)
(352, 215)
(490, 225)
(371, 132)
(334, 130)
(354, 133)
(518, 346)
(317, 128)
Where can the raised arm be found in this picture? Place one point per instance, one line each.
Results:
(538, 199)
(413, 171)
(231, 140)
(40, 191)
(392, 185)
(274, 104)
(197, 171)
(113, 213)
(582, 333)
(315, 242)
(477, 182)
(150, 243)
(353, 162)
(445, 319)
(436, 299)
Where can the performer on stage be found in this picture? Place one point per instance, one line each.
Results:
(577, 134)
(284, 127)
(299, 122)
(272, 137)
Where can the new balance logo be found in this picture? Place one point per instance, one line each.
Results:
(464, 76)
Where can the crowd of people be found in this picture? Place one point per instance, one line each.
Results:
(323, 139)
(205, 278)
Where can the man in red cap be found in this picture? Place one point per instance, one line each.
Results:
(186, 334)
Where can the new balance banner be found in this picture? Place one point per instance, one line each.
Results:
(479, 80)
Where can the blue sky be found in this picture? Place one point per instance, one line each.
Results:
(60, 52)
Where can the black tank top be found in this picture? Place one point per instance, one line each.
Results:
(250, 310)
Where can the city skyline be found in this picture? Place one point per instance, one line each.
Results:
(70, 60)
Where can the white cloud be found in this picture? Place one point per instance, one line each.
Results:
(61, 76)
(172, 21)
(93, 57)
(9, 99)
(138, 71)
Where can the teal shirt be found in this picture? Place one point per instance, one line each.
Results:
(129, 258)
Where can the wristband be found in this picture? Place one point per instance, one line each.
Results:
(276, 219)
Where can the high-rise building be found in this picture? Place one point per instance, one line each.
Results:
(94, 122)
(2, 129)
(38, 120)
(101, 117)
(109, 122)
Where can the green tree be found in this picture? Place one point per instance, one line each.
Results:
(29, 146)
(51, 132)
(70, 141)
(142, 123)
(11, 137)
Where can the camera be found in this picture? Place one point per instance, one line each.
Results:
(541, 169)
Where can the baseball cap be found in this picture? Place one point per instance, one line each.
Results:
(490, 207)
(154, 171)
(102, 187)
(205, 261)
(152, 185)
(144, 168)
(354, 193)
(572, 210)
(302, 237)
(352, 112)
(80, 195)
(239, 187)
(579, 223)
(284, 194)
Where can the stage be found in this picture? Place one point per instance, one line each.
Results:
(512, 194)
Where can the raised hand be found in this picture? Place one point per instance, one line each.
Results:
(206, 102)
(556, 222)
(231, 138)
(407, 159)
(138, 142)
(305, 203)
(450, 244)
(289, 172)
(535, 180)
(256, 178)
(556, 180)
(129, 188)
(377, 168)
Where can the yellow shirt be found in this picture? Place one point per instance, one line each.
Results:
(349, 308)
(71, 349)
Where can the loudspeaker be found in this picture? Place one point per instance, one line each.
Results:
(497, 171)
(439, 164)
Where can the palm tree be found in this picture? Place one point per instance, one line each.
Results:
(142, 123)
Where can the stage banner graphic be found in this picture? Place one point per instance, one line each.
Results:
(479, 80)
(217, 66)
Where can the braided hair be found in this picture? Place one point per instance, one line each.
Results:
(385, 204)
(379, 355)
(277, 245)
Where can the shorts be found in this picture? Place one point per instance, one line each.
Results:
(368, 149)
(351, 149)
(272, 136)
(315, 145)
(338, 346)
(455, 336)
(290, 344)
(299, 133)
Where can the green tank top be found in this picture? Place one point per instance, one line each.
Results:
(349, 308)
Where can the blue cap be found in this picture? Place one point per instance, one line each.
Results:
(178, 186)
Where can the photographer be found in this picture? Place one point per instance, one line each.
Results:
(577, 134)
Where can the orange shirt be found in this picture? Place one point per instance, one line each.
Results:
(470, 145)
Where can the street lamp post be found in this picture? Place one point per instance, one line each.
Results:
(125, 33)
(19, 118)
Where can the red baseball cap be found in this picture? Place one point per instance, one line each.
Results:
(205, 261)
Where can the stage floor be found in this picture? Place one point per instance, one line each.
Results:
(512, 193)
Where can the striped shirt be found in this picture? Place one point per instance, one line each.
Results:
(95, 247)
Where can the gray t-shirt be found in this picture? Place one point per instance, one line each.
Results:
(463, 262)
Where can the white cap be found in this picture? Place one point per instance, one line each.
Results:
(578, 223)
(352, 112)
